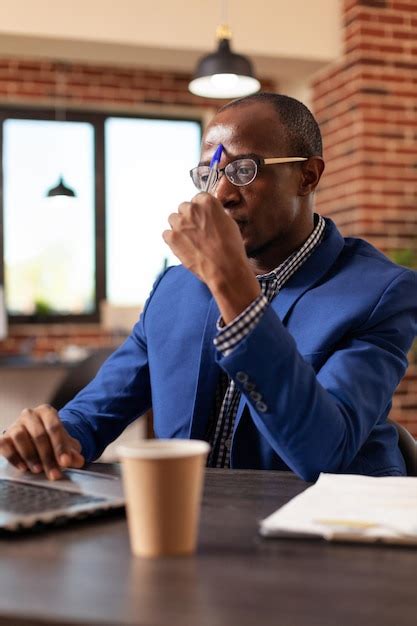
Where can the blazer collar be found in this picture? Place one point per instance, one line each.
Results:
(316, 266)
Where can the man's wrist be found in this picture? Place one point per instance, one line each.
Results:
(234, 295)
(229, 336)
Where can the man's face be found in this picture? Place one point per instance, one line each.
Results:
(267, 210)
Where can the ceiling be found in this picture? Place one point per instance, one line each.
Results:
(287, 40)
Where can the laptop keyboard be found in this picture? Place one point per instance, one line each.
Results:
(20, 498)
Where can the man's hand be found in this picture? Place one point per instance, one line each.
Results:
(208, 242)
(38, 442)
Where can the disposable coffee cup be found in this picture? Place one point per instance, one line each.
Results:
(163, 480)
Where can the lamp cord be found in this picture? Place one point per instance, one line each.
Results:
(223, 12)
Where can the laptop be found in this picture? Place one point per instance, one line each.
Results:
(28, 501)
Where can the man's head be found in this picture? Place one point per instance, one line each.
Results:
(302, 133)
(275, 211)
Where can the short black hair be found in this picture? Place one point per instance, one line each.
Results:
(303, 132)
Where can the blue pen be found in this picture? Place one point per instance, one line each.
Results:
(214, 164)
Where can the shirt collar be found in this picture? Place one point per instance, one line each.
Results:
(304, 250)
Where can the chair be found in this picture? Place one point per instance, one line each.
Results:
(78, 377)
(408, 447)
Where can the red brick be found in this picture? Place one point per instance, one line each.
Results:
(390, 19)
(401, 34)
(369, 130)
(401, 5)
(373, 32)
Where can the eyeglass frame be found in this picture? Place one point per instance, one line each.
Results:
(259, 161)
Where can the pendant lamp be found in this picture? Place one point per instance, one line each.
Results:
(60, 189)
(224, 74)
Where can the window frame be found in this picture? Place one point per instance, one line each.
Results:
(97, 119)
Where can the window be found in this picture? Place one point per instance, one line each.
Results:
(61, 256)
(147, 164)
(48, 242)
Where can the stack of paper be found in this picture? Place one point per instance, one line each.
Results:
(342, 507)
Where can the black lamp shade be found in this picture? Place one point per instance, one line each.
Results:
(224, 74)
(61, 190)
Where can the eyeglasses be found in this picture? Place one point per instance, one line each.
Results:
(240, 172)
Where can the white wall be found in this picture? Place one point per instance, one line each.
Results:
(287, 39)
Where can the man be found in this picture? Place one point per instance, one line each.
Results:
(277, 340)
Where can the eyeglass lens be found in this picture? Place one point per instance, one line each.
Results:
(239, 172)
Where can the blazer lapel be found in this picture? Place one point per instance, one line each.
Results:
(308, 275)
(208, 376)
(311, 272)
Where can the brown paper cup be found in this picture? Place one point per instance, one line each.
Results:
(163, 481)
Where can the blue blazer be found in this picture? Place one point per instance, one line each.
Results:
(316, 375)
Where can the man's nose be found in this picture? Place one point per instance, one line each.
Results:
(227, 193)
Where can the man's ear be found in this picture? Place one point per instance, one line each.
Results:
(311, 171)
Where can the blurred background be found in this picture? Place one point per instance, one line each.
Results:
(98, 129)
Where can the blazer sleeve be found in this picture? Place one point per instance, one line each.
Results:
(119, 393)
(317, 421)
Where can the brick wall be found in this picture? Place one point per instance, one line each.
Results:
(366, 105)
(24, 81)
(43, 341)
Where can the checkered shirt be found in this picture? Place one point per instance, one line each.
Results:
(220, 427)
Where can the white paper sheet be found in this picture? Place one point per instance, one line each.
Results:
(347, 507)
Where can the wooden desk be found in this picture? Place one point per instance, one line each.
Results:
(84, 574)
